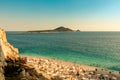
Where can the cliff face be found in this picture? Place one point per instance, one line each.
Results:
(8, 50)
(12, 66)
(2, 64)
(2, 56)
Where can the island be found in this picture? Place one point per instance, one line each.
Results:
(78, 30)
(58, 29)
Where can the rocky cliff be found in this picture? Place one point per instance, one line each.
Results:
(8, 50)
(2, 64)
(12, 66)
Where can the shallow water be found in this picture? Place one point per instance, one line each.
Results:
(100, 49)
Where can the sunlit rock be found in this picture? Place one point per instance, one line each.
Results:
(8, 50)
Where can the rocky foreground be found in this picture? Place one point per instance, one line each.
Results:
(59, 70)
(15, 67)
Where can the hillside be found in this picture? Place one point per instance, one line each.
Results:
(58, 29)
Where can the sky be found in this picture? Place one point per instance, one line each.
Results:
(85, 15)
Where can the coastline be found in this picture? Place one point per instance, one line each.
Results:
(61, 61)
(37, 67)
(54, 67)
(97, 55)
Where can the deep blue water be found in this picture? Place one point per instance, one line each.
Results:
(91, 48)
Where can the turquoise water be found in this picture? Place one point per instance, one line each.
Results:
(100, 49)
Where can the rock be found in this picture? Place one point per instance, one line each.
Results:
(56, 78)
(22, 73)
(2, 64)
(15, 68)
(8, 50)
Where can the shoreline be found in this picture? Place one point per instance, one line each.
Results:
(65, 61)
(59, 61)
(53, 67)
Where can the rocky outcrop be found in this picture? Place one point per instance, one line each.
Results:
(20, 70)
(12, 66)
(8, 50)
(2, 64)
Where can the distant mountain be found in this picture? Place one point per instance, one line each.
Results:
(63, 29)
(77, 30)
(58, 29)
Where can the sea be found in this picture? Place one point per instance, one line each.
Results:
(100, 49)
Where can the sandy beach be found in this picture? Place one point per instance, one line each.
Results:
(60, 70)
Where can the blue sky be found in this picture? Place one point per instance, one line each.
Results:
(86, 15)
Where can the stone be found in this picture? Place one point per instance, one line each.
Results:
(2, 64)
(8, 50)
